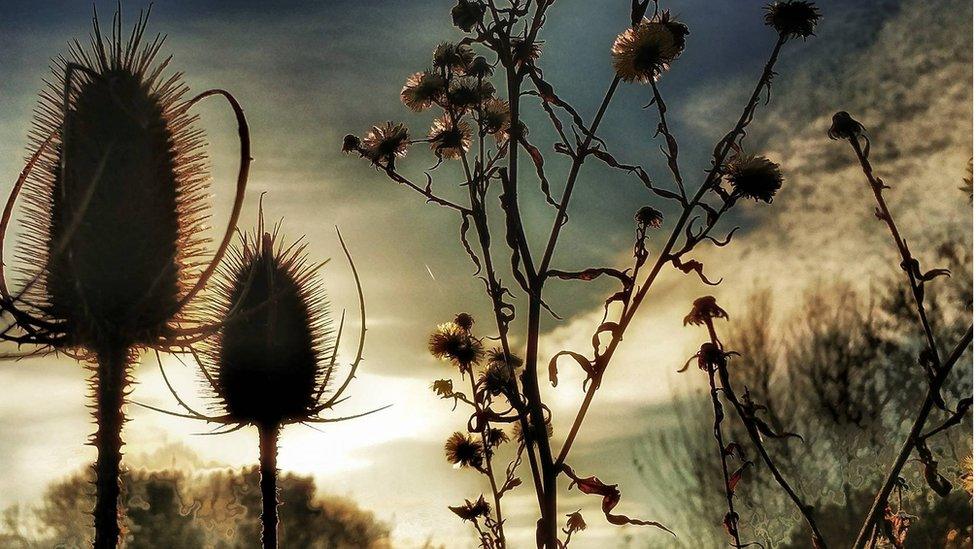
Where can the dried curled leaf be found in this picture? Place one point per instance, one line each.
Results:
(611, 497)
(580, 359)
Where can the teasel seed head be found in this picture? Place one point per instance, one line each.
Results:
(270, 361)
(116, 205)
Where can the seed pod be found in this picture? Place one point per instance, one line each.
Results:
(116, 207)
(269, 362)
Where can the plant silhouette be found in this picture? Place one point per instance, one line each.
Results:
(273, 357)
(113, 244)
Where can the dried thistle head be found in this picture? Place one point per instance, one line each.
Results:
(519, 436)
(455, 344)
(116, 205)
(472, 510)
(648, 217)
(574, 523)
(467, 14)
(467, 93)
(271, 360)
(793, 18)
(451, 57)
(422, 90)
(754, 177)
(496, 117)
(480, 68)
(843, 126)
(497, 356)
(463, 450)
(449, 139)
(703, 310)
(496, 378)
(645, 51)
(386, 142)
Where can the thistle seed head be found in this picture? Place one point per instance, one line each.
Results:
(793, 18)
(754, 177)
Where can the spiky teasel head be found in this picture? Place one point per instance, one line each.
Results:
(115, 205)
(271, 359)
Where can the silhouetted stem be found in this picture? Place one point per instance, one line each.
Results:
(268, 435)
(717, 431)
(110, 384)
(489, 472)
(721, 152)
(875, 513)
(907, 260)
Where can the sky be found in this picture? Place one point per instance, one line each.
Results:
(307, 73)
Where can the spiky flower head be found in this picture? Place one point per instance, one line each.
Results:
(386, 142)
(463, 450)
(645, 51)
(518, 435)
(472, 510)
(465, 321)
(453, 57)
(574, 523)
(269, 361)
(116, 201)
(754, 177)
(649, 217)
(455, 344)
(496, 378)
(422, 90)
(351, 143)
(703, 310)
(449, 139)
(480, 68)
(843, 126)
(495, 437)
(467, 13)
(497, 356)
(466, 93)
(525, 52)
(793, 18)
(496, 117)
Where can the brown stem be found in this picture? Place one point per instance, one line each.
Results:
(721, 152)
(877, 187)
(756, 438)
(489, 472)
(733, 518)
(881, 499)
(268, 435)
(110, 384)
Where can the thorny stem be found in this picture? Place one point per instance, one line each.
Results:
(733, 518)
(876, 512)
(110, 388)
(268, 435)
(721, 152)
(756, 437)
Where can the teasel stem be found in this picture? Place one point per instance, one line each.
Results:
(110, 387)
(268, 435)
(757, 442)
